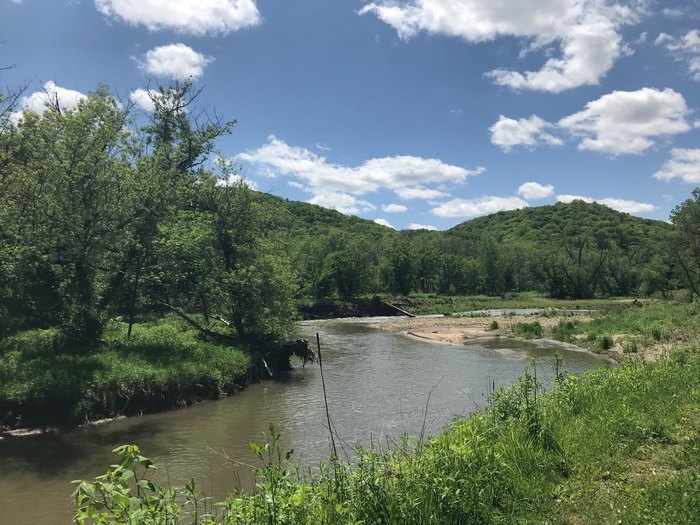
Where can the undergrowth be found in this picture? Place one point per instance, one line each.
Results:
(163, 365)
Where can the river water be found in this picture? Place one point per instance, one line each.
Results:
(378, 385)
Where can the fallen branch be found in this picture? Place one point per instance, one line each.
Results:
(196, 325)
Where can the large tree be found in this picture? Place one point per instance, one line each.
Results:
(685, 240)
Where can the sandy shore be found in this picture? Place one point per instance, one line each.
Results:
(460, 330)
(464, 330)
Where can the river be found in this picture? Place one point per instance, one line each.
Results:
(378, 386)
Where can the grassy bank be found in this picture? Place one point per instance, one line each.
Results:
(648, 329)
(165, 364)
(615, 445)
(423, 304)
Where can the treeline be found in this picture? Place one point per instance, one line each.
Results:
(575, 251)
(107, 213)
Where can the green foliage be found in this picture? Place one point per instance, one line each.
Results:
(45, 379)
(606, 342)
(528, 330)
(685, 241)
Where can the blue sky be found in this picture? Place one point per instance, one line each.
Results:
(414, 113)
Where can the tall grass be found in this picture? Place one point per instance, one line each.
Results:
(164, 364)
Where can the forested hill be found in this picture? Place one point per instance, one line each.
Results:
(546, 225)
(566, 250)
(302, 218)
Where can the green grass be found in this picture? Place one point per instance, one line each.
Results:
(444, 304)
(635, 328)
(614, 445)
(164, 364)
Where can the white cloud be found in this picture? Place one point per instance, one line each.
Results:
(384, 222)
(567, 199)
(394, 208)
(623, 205)
(143, 98)
(342, 202)
(418, 192)
(234, 179)
(176, 61)
(627, 121)
(508, 132)
(197, 17)
(587, 32)
(627, 206)
(534, 190)
(40, 101)
(476, 207)
(684, 164)
(406, 176)
(685, 48)
(415, 226)
(673, 12)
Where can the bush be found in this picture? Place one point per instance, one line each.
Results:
(606, 342)
(528, 330)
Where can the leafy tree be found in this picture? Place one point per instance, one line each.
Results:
(398, 265)
(254, 281)
(68, 211)
(685, 240)
(576, 269)
(493, 265)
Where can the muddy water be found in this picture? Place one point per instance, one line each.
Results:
(378, 385)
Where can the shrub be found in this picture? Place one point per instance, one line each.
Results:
(528, 330)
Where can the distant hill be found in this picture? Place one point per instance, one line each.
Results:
(548, 224)
(305, 218)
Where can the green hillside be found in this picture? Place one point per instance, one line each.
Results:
(547, 224)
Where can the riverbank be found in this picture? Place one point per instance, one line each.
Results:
(461, 330)
(638, 330)
(165, 364)
(613, 445)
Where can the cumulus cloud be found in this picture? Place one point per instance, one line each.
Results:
(176, 61)
(196, 17)
(342, 202)
(384, 222)
(508, 132)
(685, 49)
(627, 206)
(394, 208)
(40, 101)
(415, 226)
(418, 192)
(407, 176)
(534, 190)
(623, 205)
(621, 122)
(235, 179)
(143, 98)
(568, 199)
(627, 121)
(586, 31)
(476, 207)
(684, 164)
